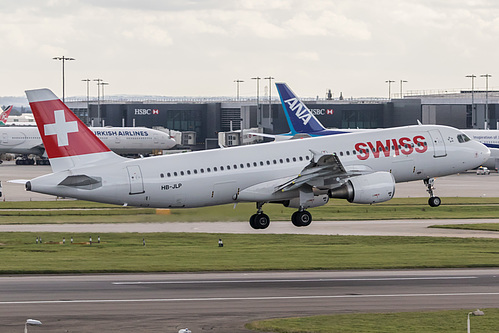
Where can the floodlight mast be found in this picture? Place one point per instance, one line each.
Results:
(31, 322)
(477, 312)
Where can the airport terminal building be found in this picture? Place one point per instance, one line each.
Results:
(207, 117)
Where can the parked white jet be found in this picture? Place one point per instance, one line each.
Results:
(122, 140)
(359, 167)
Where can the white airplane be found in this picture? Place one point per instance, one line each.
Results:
(122, 140)
(358, 167)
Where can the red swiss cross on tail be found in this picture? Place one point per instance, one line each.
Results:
(67, 140)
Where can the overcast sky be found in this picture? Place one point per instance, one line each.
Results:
(199, 47)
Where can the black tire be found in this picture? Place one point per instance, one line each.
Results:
(434, 201)
(259, 221)
(301, 219)
(252, 221)
(262, 221)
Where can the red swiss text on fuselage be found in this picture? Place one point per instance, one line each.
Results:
(402, 146)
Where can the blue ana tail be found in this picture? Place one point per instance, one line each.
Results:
(300, 118)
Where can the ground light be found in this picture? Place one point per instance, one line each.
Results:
(31, 322)
(475, 313)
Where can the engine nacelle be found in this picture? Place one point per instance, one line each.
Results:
(366, 189)
(318, 200)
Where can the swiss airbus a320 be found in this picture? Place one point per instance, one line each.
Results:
(359, 167)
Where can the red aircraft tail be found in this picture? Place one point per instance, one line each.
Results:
(67, 140)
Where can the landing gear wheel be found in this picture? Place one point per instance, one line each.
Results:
(259, 221)
(434, 201)
(301, 218)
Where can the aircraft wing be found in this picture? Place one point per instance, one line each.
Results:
(325, 171)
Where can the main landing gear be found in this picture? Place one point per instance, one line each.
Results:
(300, 218)
(433, 201)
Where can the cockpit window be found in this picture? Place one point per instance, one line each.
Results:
(462, 138)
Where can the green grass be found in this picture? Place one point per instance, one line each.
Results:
(187, 252)
(478, 226)
(72, 211)
(407, 322)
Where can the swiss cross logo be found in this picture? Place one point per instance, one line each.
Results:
(61, 128)
(155, 111)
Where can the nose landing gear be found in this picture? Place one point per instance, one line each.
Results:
(433, 201)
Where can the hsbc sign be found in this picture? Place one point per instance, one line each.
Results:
(322, 112)
(146, 112)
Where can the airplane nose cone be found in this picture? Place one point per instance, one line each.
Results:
(482, 152)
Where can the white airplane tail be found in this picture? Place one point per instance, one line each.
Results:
(68, 141)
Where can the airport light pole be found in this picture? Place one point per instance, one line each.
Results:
(477, 312)
(31, 322)
(486, 76)
(88, 94)
(389, 88)
(270, 78)
(473, 111)
(401, 93)
(102, 84)
(98, 100)
(258, 97)
(63, 58)
(237, 89)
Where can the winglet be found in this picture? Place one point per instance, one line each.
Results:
(68, 142)
(300, 118)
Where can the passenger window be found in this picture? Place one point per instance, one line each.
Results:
(162, 175)
(188, 172)
(215, 169)
(169, 174)
(281, 161)
(202, 170)
(287, 160)
(175, 173)
(181, 173)
(301, 158)
(195, 171)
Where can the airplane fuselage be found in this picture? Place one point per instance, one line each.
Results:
(217, 176)
(122, 140)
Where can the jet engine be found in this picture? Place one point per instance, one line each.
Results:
(318, 200)
(366, 189)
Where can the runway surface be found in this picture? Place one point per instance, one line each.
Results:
(223, 302)
(362, 228)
